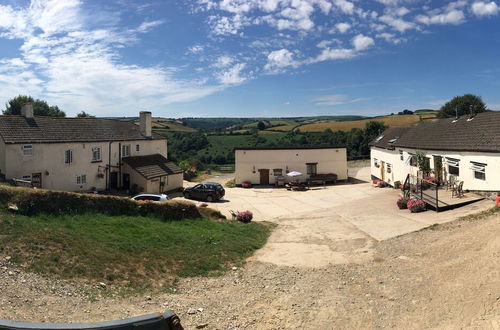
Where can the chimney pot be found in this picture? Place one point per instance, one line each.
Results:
(27, 110)
(145, 123)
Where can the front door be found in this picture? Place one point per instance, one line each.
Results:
(264, 176)
(126, 181)
(382, 171)
(36, 180)
(113, 180)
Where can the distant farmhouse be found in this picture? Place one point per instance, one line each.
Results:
(84, 154)
(468, 148)
(265, 165)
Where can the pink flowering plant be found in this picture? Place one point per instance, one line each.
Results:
(416, 205)
(244, 216)
(403, 203)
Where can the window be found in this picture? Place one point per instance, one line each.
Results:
(379, 138)
(125, 150)
(453, 166)
(277, 172)
(96, 154)
(68, 157)
(312, 168)
(27, 150)
(137, 147)
(389, 168)
(401, 155)
(479, 170)
(81, 179)
(393, 140)
(27, 177)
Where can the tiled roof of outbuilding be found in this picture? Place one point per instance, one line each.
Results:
(18, 129)
(481, 133)
(152, 166)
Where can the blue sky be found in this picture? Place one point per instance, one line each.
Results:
(244, 58)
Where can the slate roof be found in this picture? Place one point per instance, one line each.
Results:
(390, 136)
(482, 133)
(152, 166)
(18, 129)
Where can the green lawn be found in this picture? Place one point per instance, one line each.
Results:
(134, 252)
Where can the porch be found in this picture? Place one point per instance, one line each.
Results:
(437, 197)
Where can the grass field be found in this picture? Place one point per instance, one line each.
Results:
(392, 120)
(133, 252)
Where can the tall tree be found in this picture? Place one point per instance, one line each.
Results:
(40, 107)
(83, 114)
(261, 125)
(463, 105)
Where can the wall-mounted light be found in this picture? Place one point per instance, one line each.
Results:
(253, 170)
(287, 169)
(46, 172)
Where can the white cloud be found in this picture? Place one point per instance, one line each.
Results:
(233, 75)
(481, 8)
(335, 99)
(329, 54)
(78, 67)
(361, 42)
(451, 17)
(223, 61)
(148, 26)
(397, 23)
(342, 27)
(278, 60)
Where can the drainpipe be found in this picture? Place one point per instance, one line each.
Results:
(108, 172)
(120, 183)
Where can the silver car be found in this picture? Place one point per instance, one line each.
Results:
(151, 198)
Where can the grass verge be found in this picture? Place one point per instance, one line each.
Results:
(481, 215)
(129, 252)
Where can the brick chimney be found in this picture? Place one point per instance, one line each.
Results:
(27, 110)
(145, 123)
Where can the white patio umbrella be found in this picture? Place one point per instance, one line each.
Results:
(294, 173)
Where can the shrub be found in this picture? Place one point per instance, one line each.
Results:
(416, 205)
(402, 203)
(230, 184)
(244, 216)
(381, 184)
(36, 201)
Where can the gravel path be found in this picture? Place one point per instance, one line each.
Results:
(444, 278)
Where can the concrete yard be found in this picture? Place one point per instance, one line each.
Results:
(334, 224)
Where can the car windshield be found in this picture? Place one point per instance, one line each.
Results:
(148, 198)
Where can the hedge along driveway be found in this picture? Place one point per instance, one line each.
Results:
(32, 202)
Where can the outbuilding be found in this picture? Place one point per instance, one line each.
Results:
(266, 165)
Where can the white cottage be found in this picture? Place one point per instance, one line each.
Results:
(468, 147)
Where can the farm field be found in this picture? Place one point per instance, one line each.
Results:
(224, 144)
(392, 120)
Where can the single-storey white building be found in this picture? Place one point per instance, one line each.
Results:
(467, 147)
(264, 165)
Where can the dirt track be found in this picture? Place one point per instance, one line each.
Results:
(448, 277)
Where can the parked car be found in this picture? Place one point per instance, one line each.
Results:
(151, 198)
(208, 191)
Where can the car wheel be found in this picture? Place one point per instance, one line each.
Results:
(187, 195)
(210, 198)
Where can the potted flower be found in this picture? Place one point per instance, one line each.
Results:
(244, 216)
(402, 203)
(246, 184)
(416, 205)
